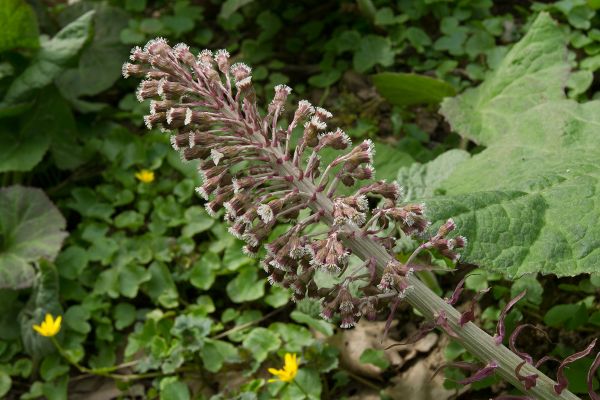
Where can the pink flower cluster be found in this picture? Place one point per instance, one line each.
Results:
(263, 170)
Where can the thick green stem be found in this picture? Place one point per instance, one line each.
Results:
(429, 304)
(474, 339)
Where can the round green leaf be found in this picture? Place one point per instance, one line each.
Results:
(31, 227)
(260, 342)
(124, 315)
(71, 262)
(246, 286)
(173, 389)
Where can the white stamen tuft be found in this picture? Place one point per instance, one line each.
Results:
(251, 239)
(283, 88)
(181, 47)
(136, 49)
(221, 53)
(248, 252)
(209, 210)
(170, 115)
(230, 209)
(161, 86)
(124, 70)
(200, 190)
(148, 121)
(362, 202)
(236, 186)
(323, 112)
(216, 156)
(152, 42)
(317, 123)
(265, 213)
(174, 143)
(234, 233)
(138, 94)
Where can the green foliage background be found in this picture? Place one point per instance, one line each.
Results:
(148, 283)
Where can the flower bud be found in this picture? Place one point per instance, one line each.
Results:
(322, 114)
(183, 53)
(240, 71)
(206, 58)
(337, 140)
(447, 227)
(139, 55)
(137, 70)
(222, 59)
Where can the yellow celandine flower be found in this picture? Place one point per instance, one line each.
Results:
(289, 371)
(49, 327)
(145, 176)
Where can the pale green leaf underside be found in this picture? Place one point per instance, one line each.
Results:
(529, 202)
(421, 180)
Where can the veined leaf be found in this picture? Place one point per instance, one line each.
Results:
(529, 202)
(31, 227)
(51, 59)
(100, 61)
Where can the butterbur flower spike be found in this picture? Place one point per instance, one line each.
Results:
(208, 106)
(263, 170)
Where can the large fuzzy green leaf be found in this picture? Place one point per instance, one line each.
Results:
(31, 227)
(421, 180)
(529, 202)
(51, 59)
(49, 125)
(100, 61)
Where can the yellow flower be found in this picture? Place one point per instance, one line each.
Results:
(289, 371)
(49, 327)
(145, 175)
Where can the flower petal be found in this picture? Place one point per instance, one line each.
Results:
(39, 329)
(57, 324)
(288, 360)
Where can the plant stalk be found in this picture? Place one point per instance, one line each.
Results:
(423, 299)
(429, 304)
